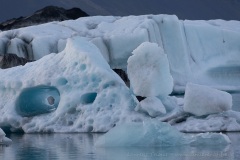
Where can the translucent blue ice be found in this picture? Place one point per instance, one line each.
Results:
(37, 100)
(154, 133)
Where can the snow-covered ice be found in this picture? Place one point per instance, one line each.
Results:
(91, 97)
(151, 106)
(148, 71)
(76, 58)
(202, 100)
(4, 140)
(202, 52)
(155, 133)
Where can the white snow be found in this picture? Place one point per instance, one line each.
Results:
(152, 106)
(155, 133)
(148, 71)
(4, 140)
(202, 100)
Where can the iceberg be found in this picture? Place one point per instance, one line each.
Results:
(148, 71)
(202, 100)
(72, 91)
(156, 134)
(4, 140)
(201, 52)
(76, 90)
(151, 106)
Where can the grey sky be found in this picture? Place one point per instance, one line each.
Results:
(184, 9)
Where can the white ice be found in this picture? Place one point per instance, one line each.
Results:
(226, 121)
(202, 100)
(151, 106)
(156, 134)
(92, 97)
(148, 71)
(202, 52)
(4, 140)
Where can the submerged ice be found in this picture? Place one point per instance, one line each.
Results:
(155, 133)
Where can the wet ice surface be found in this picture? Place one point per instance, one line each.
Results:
(81, 146)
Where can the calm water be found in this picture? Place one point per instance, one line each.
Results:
(81, 147)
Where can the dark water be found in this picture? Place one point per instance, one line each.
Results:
(81, 147)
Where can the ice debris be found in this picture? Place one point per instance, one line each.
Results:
(203, 100)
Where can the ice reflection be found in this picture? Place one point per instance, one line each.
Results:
(81, 146)
(168, 153)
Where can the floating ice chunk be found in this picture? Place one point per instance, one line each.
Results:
(150, 133)
(210, 139)
(148, 71)
(156, 133)
(202, 100)
(37, 100)
(4, 140)
(152, 106)
(226, 121)
(170, 102)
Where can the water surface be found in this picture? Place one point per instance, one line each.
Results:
(81, 146)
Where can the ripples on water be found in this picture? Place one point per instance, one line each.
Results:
(81, 147)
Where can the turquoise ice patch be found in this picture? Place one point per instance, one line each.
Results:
(37, 100)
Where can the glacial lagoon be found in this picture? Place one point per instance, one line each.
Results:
(81, 146)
